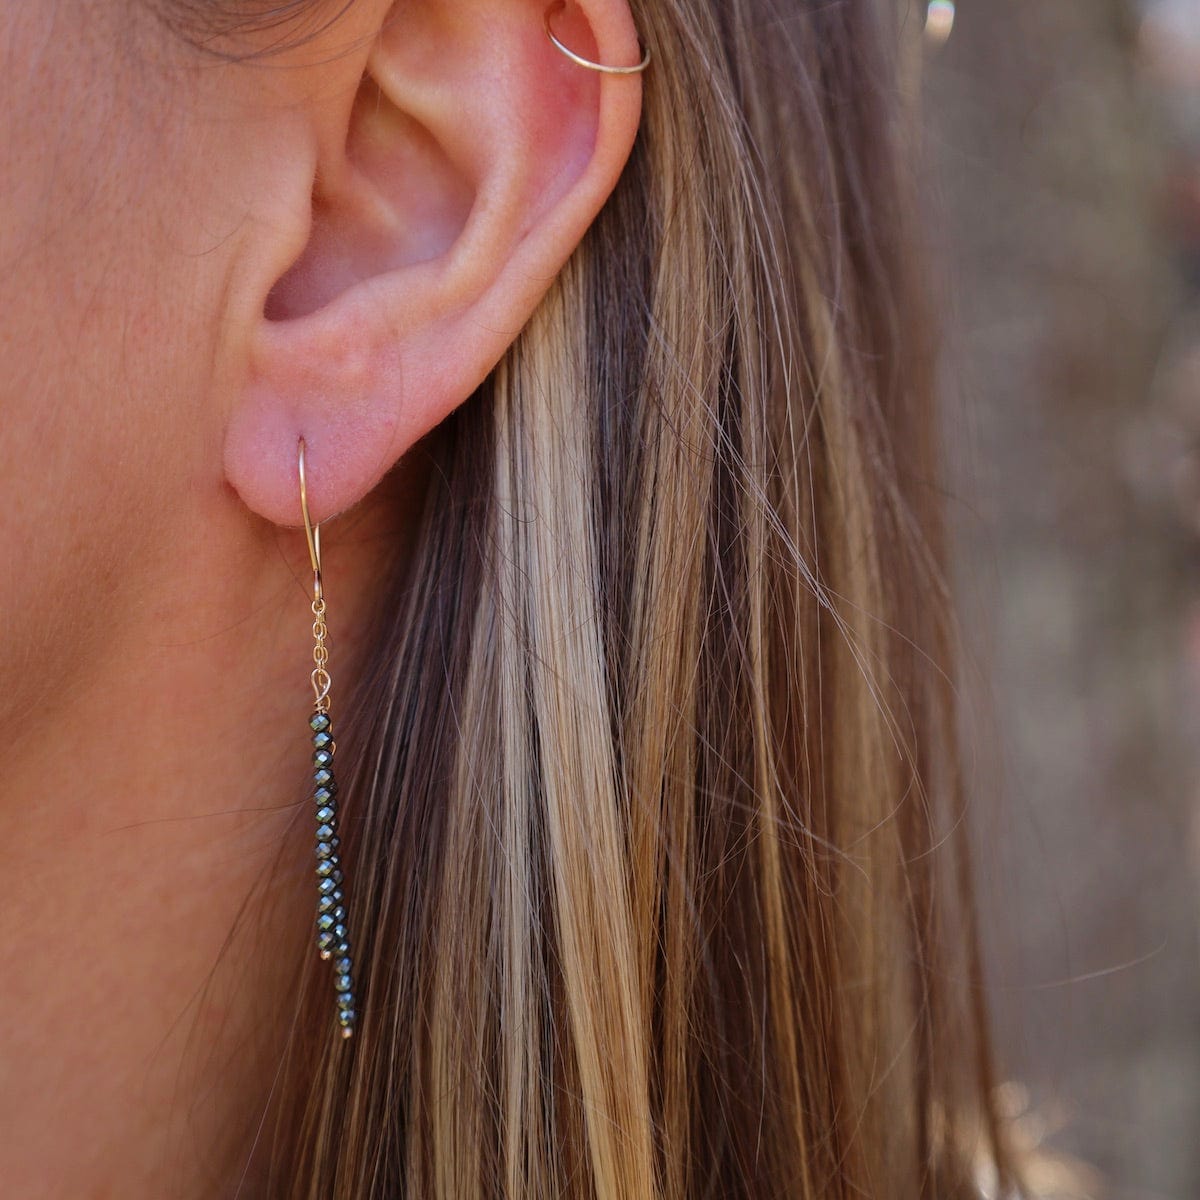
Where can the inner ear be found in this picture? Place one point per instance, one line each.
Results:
(396, 200)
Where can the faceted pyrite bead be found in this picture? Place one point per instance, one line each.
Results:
(333, 937)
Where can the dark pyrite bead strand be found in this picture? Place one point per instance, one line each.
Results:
(333, 937)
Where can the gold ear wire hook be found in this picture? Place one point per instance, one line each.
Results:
(311, 531)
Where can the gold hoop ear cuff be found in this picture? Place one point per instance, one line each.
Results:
(558, 6)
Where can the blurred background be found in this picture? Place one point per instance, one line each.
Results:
(1063, 179)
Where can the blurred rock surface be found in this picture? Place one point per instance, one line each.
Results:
(1072, 326)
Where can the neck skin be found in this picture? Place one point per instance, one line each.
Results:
(153, 805)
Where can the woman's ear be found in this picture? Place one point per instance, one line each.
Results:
(449, 172)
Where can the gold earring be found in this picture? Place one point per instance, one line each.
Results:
(333, 938)
(558, 6)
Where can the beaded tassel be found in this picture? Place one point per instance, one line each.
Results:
(333, 938)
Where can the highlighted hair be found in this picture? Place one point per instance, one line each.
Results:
(656, 834)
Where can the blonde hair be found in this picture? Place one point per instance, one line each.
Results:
(656, 833)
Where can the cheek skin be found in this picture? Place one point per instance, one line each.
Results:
(118, 241)
(76, 369)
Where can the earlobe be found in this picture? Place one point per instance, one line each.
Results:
(472, 161)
